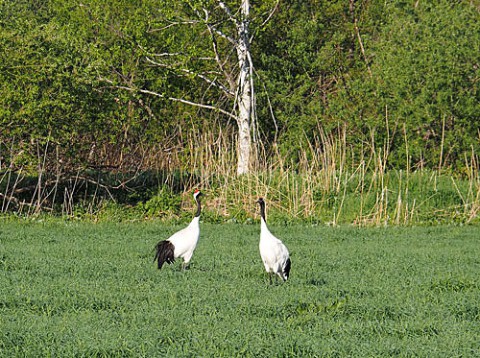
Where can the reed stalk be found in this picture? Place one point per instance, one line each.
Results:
(330, 183)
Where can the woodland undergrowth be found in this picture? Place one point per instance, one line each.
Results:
(327, 183)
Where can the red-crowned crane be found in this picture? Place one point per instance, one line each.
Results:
(182, 243)
(274, 253)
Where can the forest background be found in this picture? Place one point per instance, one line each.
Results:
(364, 112)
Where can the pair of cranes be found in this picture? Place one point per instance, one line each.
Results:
(274, 253)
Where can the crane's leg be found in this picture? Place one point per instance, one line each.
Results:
(186, 261)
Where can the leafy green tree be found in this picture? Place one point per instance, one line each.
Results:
(47, 98)
(385, 72)
(426, 66)
(308, 54)
(203, 49)
(397, 76)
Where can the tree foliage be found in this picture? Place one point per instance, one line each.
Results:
(397, 75)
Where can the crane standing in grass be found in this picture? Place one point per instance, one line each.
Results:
(274, 253)
(182, 243)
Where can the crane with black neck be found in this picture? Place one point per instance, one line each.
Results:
(182, 243)
(274, 253)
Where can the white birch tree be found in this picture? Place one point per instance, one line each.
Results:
(245, 96)
(227, 26)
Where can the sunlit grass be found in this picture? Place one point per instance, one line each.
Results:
(80, 289)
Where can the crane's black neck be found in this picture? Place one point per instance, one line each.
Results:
(199, 207)
(261, 202)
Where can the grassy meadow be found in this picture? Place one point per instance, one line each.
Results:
(91, 290)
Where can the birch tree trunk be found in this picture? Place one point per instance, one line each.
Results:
(232, 77)
(245, 94)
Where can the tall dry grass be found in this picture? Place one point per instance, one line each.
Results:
(330, 183)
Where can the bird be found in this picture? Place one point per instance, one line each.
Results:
(182, 243)
(274, 253)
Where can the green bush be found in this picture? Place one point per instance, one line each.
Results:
(163, 204)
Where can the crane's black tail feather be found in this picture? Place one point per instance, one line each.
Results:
(286, 270)
(164, 253)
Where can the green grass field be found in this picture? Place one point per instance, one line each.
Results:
(91, 290)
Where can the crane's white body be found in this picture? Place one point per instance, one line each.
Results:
(273, 252)
(185, 241)
(182, 243)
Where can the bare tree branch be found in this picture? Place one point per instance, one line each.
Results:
(229, 13)
(173, 54)
(362, 49)
(174, 23)
(271, 14)
(174, 99)
(212, 27)
(228, 77)
(165, 54)
(211, 82)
